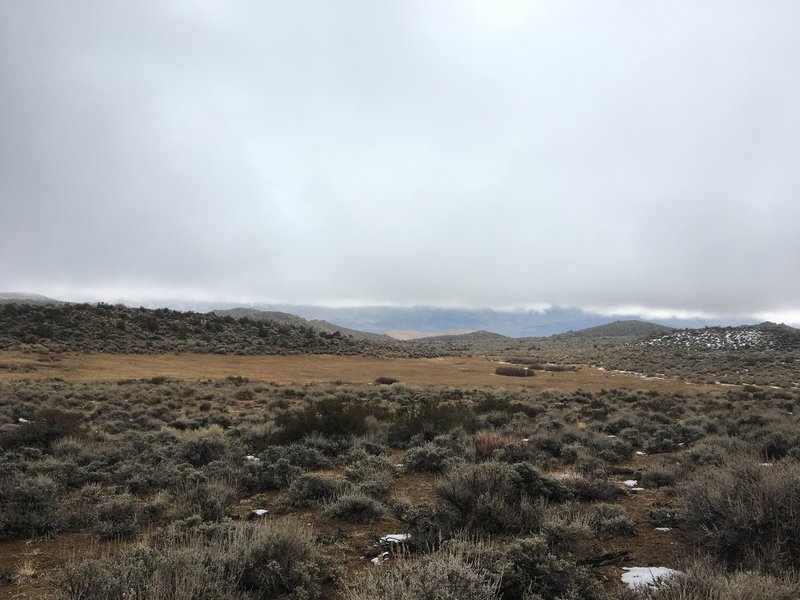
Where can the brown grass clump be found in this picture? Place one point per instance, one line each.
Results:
(486, 442)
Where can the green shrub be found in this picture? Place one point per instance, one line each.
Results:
(230, 561)
(610, 519)
(310, 490)
(330, 417)
(45, 427)
(115, 517)
(530, 571)
(429, 418)
(565, 528)
(354, 508)
(659, 476)
(440, 575)
(28, 506)
(201, 451)
(665, 516)
(745, 513)
(272, 559)
(260, 476)
(494, 497)
(428, 458)
(209, 500)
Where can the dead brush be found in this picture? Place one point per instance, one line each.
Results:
(486, 442)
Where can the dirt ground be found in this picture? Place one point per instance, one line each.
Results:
(450, 371)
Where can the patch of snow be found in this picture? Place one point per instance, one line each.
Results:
(663, 529)
(399, 465)
(631, 483)
(766, 464)
(395, 538)
(635, 577)
(21, 420)
(260, 512)
(526, 440)
(640, 453)
(250, 457)
(637, 489)
(380, 559)
(611, 436)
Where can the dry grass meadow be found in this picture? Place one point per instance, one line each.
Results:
(300, 369)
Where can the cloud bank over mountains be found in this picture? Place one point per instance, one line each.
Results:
(453, 154)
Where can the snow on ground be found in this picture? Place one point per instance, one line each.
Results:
(395, 538)
(635, 577)
(714, 339)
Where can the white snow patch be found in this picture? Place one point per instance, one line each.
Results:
(766, 464)
(380, 559)
(260, 512)
(399, 465)
(640, 453)
(663, 529)
(526, 440)
(636, 577)
(395, 538)
(21, 420)
(250, 457)
(631, 483)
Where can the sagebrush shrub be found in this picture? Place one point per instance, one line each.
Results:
(746, 513)
(428, 458)
(706, 581)
(310, 490)
(441, 575)
(354, 508)
(115, 517)
(28, 506)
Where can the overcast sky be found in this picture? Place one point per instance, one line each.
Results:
(502, 153)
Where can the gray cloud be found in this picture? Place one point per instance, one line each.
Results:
(504, 153)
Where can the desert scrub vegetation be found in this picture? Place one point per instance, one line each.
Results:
(704, 580)
(119, 329)
(464, 568)
(745, 513)
(175, 468)
(224, 562)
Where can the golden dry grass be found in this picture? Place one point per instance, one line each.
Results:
(449, 371)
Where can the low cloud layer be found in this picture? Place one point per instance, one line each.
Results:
(474, 154)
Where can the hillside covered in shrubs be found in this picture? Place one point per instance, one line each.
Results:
(237, 490)
(766, 354)
(120, 329)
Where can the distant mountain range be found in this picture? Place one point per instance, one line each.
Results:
(421, 320)
(380, 323)
(23, 298)
(290, 319)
